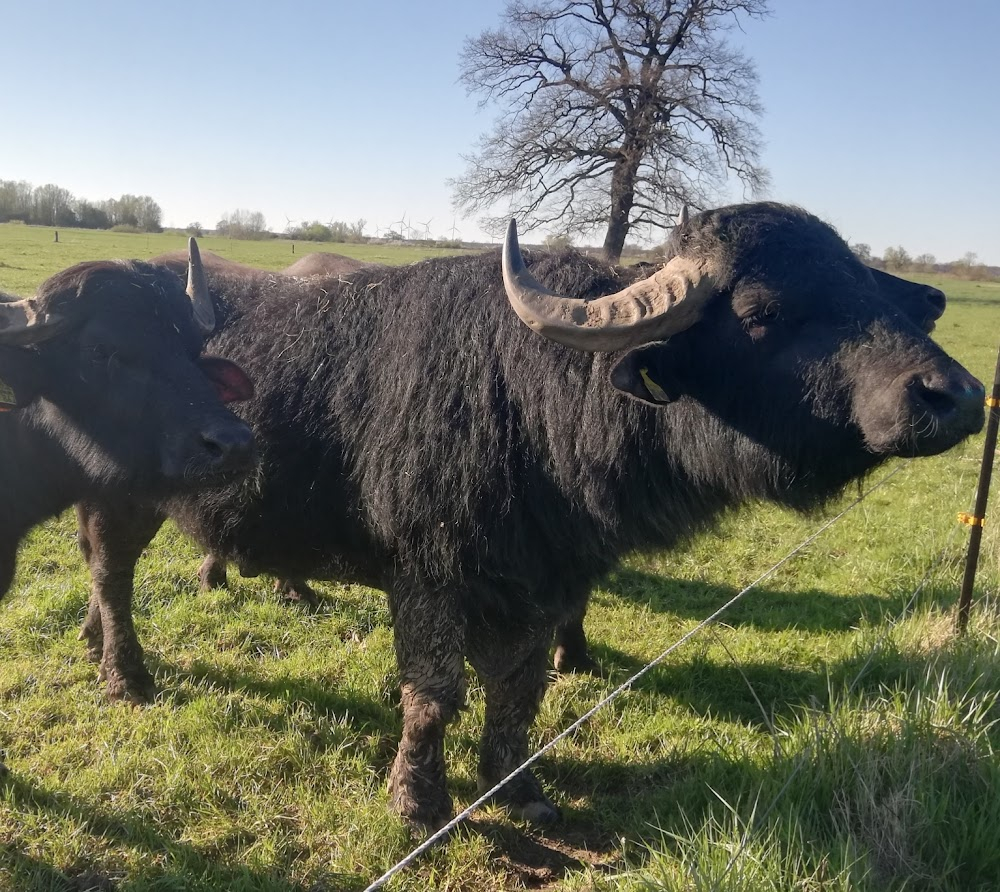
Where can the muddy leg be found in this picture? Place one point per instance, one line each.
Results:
(212, 573)
(429, 638)
(512, 701)
(91, 631)
(115, 537)
(8, 563)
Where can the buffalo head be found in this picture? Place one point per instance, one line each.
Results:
(105, 361)
(764, 317)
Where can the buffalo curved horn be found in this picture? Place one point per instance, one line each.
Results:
(21, 322)
(682, 217)
(197, 290)
(669, 301)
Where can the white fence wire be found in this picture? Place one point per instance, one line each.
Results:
(435, 838)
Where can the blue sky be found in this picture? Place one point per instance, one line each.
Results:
(881, 116)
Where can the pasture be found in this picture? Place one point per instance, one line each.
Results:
(808, 737)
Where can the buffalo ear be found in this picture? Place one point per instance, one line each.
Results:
(21, 377)
(644, 375)
(230, 381)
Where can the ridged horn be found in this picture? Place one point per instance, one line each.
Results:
(22, 323)
(682, 217)
(197, 290)
(667, 302)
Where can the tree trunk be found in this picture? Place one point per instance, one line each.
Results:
(622, 198)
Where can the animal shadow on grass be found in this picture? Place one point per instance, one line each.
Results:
(364, 713)
(767, 610)
(25, 873)
(719, 688)
(179, 864)
(539, 858)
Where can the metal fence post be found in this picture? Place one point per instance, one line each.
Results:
(977, 519)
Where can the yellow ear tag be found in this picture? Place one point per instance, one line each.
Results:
(655, 391)
(8, 400)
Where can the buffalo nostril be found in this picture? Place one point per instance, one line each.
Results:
(213, 447)
(937, 301)
(230, 445)
(951, 398)
(940, 403)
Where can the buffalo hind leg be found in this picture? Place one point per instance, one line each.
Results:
(572, 653)
(512, 702)
(112, 539)
(297, 591)
(8, 563)
(429, 637)
(91, 631)
(212, 572)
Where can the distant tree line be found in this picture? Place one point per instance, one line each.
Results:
(246, 224)
(897, 259)
(52, 205)
(243, 224)
(334, 231)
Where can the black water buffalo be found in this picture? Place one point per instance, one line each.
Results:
(177, 262)
(104, 395)
(317, 263)
(324, 263)
(571, 648)
(416, 436)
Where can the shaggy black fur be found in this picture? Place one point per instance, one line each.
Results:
(416, 436)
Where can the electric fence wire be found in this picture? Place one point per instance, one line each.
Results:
(436, 837)
(806, 754)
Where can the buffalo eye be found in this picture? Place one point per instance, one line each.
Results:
(103, 355)
(757, 323)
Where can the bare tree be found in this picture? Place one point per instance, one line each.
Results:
(244, 224)
(897, 258)
(862, 251)
(614, 112)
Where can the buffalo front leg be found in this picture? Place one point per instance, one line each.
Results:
(429, 638)
(512, 701)
(112, 539)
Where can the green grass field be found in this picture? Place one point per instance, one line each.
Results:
(807, 737)
(29, 254)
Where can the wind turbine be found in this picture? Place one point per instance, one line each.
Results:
(401, 222)
(427, 227)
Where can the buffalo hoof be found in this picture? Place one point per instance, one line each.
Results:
(211, 573)
(567, 660)
(136, 686)
(425, 811)
(538, 813)
(297, 591)
(524, 798)
(92, 633)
